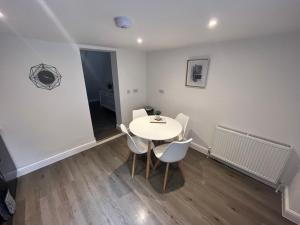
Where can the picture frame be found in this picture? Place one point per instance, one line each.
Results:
(197, 72)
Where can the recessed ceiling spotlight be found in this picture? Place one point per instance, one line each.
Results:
(139, 40)
(212, 23)
(1, 15)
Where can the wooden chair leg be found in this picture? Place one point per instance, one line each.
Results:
(156, 164)
(166, 177)
(148, 160)
(151, 163)
(133, 165)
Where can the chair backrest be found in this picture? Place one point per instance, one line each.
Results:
(183, 120)
(176, 151)
(124, 129)
(139, 113)
(130, 141)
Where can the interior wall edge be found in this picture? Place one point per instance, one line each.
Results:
(287, 212)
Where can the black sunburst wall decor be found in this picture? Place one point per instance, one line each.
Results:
(45, 76)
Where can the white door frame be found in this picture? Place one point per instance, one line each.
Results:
(113, 57)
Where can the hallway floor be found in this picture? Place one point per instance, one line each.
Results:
(103, 120)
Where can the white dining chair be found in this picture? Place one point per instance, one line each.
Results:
(139, 113)
(183, 120)
(136, 145)
(170, 153)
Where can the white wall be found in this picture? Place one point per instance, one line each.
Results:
(132, 75)
(38, 123)
(253, 85)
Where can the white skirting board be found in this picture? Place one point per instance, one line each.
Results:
(55, 158)
(287, 212)
(199, 148)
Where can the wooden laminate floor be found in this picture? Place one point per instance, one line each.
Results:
(95, 187)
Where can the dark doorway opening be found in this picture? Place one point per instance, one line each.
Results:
(99, 82)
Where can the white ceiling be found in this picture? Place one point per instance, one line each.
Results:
(161, 23)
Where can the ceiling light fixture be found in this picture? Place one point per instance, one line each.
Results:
(123, 22)
(212, 23)
(1, 15)
(139, 40)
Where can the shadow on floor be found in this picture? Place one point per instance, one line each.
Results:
(175, 177)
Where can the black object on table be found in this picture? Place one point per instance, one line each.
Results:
(149, 110)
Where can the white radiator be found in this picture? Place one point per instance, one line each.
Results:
(260, 157)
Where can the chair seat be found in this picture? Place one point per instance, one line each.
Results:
(159, 150)
(142, 144)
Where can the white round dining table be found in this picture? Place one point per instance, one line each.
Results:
(144, 127)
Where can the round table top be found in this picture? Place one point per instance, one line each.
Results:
(142, 127)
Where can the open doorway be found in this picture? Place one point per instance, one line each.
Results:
(102, 90)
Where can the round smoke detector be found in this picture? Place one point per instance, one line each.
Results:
(123, 22)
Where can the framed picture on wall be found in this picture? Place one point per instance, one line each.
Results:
(196, 72)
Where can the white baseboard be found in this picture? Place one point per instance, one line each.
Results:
(52, 159)
(108, 139)
(287, 212)
(199, 148)
(55, 158)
